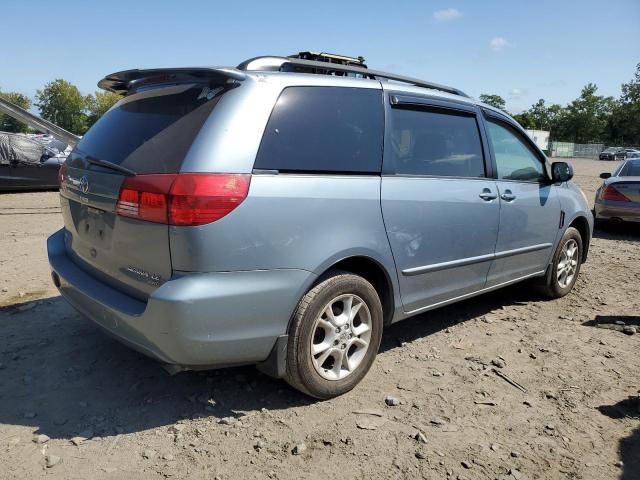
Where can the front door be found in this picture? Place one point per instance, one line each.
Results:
(440, 209)
(529, 206)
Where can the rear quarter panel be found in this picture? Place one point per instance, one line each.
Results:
(291, 221)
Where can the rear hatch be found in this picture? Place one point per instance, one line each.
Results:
(147, 132)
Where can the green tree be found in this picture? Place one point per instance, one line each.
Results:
(544, 116)
(10, 124)
(525, 119)
(586, 118)
(98, 104)
(624, 126)
(62, 103)
(494, 100)
(541, 117)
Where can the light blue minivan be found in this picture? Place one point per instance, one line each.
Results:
(283, 212)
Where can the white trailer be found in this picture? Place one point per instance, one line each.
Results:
(540, 137)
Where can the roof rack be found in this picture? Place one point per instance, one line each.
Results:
(329, 58)
(293, 64)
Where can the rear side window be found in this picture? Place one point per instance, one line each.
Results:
(438, 143)
(324, 129)
(152, 131)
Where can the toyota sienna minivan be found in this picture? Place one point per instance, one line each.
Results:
(284, 212)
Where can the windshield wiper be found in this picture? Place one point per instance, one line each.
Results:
(107, 164)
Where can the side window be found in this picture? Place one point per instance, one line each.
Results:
(434, 143)
(514, 159)
(324, 129)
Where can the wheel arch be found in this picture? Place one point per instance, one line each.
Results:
(581, 224)
(376, 274)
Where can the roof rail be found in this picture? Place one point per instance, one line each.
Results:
(287, 64)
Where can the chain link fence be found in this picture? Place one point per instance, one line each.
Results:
(579, 150)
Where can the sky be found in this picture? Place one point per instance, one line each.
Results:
(519, 50)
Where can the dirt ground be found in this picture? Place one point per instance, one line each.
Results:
(109, 413)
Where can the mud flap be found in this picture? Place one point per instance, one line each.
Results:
(276, 363)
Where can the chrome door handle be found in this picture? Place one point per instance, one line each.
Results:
(487, 195)
(508, 196)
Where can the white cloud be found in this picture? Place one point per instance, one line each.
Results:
(498, 43)
(517, 93)
(447, 14)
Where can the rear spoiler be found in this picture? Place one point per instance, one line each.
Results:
(128, 80)
(38, 123)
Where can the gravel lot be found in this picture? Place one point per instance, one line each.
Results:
(76, 404)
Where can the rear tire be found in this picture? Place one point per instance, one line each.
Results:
(334, 336)
(567, 260)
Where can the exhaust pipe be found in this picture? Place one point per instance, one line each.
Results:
(38, 123)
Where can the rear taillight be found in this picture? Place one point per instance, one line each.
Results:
(62, 175)
(182, 199)
(145, 197)
(198, 199)
(612, 193)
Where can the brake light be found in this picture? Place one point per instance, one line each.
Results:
(62, 175)
(182, 199)
(612, 193)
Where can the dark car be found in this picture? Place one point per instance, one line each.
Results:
(631, 153)
(29, 163)
(613, 153)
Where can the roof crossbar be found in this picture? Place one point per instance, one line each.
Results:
(286, 64)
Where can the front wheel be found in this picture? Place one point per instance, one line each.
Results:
(566, 265)
(334, 336)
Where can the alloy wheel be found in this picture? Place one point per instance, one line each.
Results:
(341, 337)
(567, 264)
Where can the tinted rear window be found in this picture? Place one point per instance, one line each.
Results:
(631, 169)
(152, 131)
(324, 129)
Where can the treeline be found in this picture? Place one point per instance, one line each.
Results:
(62, 103)
(590, 118)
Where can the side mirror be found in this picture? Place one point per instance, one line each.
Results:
(605, 175)
(561, 172)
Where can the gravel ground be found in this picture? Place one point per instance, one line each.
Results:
(437, 403)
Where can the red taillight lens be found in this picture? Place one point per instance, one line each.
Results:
(62, 175)
(197, 199)
(145, 197)
(182, 199)
(611, 193)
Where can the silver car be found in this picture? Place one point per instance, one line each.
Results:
(284, 212)
(618, 199)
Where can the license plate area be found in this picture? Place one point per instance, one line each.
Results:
(95, 227)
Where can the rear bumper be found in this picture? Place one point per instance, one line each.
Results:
(195, 320)
(617, 210)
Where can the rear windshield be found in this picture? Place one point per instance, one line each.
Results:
(631, 169)
(151, 131)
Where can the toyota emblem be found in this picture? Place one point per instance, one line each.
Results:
(84, 184)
